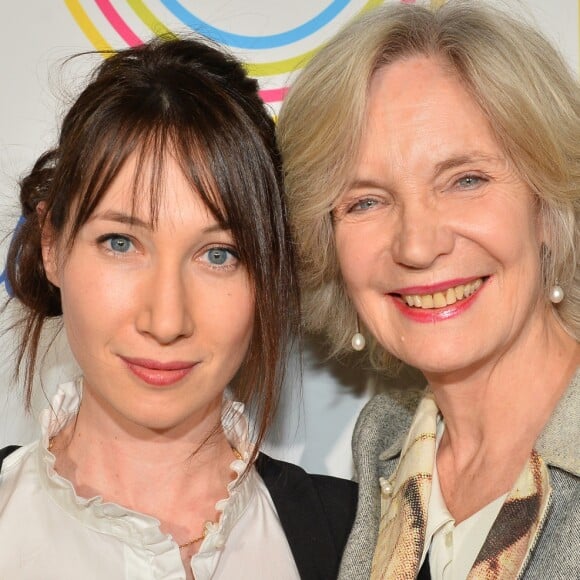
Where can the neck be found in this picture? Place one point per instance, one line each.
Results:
(157, 472)
(494, 414)
(508, 400)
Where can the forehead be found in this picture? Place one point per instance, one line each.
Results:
(150, 190)
(418, 110)
(419, 81)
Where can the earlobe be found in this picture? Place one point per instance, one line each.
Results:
(48, 245)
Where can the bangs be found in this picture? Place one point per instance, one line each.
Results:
(151, 146)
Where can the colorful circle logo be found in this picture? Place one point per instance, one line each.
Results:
(271, 55)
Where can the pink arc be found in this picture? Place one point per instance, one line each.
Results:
(115, 20)
(117, 23)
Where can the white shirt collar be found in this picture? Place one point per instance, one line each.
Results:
(134, 527)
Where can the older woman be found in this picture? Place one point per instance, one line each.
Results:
(433, 172)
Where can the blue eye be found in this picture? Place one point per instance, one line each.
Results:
(220, 256)
(470, 181)
(119, 244)
(363, 204)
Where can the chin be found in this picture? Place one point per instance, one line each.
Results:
(438, 362)
(157, 420)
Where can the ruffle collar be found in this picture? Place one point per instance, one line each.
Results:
(132, 527)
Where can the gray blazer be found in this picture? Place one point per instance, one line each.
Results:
(377, 441)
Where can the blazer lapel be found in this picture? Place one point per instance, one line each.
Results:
(405, 500)
(517, 525)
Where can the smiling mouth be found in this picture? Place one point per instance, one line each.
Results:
(443, 298)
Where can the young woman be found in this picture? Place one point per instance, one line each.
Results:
(156, 229)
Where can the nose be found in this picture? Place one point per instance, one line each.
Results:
(165, 305)
(422, 235)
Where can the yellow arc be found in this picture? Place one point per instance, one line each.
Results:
(159, 29)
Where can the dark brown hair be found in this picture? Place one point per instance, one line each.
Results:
(188, 98)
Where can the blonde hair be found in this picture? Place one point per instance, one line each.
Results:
(519, 80)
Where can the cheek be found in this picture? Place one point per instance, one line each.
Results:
(509, 222)
(514, 243)
(229, 328)
(242, 310)
(228, 315)
(358, 256)
(93, 300)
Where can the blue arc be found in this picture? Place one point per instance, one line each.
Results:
(3, 277)
(256, 42)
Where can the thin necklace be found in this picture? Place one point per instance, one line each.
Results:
(195, 540)
(207, 523)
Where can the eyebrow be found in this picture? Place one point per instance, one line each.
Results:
(122, 218)
(134, 221)
(365, 184)
(458, 160)
(441, 167)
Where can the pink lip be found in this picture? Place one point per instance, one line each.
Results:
(156, 373)
(435, 314)
(432, 288)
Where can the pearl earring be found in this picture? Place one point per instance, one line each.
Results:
(556, 294)
(358, 341)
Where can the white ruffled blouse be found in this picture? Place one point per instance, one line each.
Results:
(48, 532)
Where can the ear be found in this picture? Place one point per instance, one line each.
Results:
(48, 244)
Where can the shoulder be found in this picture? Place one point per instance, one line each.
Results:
(6, 451)
(289, 484)
(558, 442)
(556, 553)
(384, 421)
(376, 443)
(280, 474)
(15, 458)
(19, 478)
(316, 513)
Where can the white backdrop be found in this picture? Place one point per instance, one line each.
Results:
(275, 38)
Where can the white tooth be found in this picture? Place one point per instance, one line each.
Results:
(417, 301)
(409, 300)
(468, 290)
(450, 297)
(477, 284)
(439, 300)
(459, 292)
(427, 301)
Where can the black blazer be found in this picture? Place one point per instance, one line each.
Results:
(316, 513)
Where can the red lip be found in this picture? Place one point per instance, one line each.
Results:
(432, 288)
(436, 314)
(156, 373)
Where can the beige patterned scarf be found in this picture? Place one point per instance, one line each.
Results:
(404, 511)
